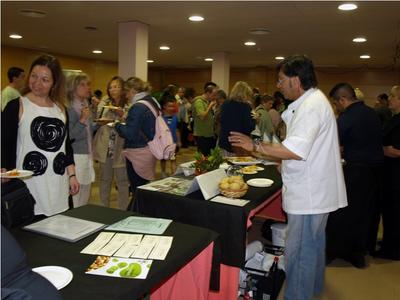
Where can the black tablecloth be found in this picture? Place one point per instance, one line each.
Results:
(42, 250)
(229, 221)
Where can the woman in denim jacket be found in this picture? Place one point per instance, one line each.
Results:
(137, 132)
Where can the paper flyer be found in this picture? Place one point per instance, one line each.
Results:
(130, 268)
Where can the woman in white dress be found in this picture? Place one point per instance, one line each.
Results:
(37, 138)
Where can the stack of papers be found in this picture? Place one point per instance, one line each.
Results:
(130, 245)
(65, 228)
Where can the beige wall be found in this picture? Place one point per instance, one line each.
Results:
(99, 71)
(372, 82)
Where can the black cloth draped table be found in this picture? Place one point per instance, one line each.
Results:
(41, 250)
(227, 220)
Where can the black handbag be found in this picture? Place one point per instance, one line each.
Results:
(17, 203)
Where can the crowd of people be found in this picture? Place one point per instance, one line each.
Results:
(340, 159)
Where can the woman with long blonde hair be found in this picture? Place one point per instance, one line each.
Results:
(81, 128)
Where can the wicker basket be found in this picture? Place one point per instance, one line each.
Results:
(235, 193)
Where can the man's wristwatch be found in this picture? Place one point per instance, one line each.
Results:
(256, 144)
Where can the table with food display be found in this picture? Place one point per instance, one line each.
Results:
(262, 195)
(183, 274)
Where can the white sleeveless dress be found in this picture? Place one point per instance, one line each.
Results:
(41, 148)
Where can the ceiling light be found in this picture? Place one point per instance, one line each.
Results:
(97, 51)
(150, 61)
(250, 43)
(347, 6)
(279, 57)
(164, 48)
(259, 31)
(365, 56)
(72, 70)
(359, 39)
(15, 36)
(208, 59)
(195, 18)
(32, 13)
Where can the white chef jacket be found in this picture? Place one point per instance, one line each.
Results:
(314, 184)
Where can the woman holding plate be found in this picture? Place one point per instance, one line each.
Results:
(81, 128)
(37, 138)
(107, 144)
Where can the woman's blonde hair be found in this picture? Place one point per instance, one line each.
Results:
(241, 92)
(137, 84)
(73, 81)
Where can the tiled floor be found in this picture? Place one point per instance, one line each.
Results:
(379, 281)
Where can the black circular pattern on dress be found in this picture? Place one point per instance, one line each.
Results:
(48, 133)
(36, 162)
(59, 163)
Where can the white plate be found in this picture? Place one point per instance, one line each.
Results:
(245, 163)
(58, 276)
(249, 172)
(21, 174)
(260, 182)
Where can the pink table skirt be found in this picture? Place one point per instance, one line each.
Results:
(192, 281)
(269, 209)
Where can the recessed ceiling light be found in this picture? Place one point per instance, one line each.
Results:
(15, 36)
(72, 70)
(259, 31)
(32, 13)
(279, 57)
(164, 48)
(97, 51)
(208, 59)
(347, 6)
(359, 39)
(196, 18)
(365, 56)
(250, 43)
(150, 61)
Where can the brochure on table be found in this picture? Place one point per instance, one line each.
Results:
(207, 183)
(130, 268)
(65, 228)
(171, 185)
(141, 225)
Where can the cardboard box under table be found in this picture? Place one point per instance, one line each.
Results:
(186, 268)
(231, 222)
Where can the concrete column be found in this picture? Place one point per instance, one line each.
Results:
(133, 44)
(221, 70)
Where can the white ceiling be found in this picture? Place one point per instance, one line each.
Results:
(318, 29)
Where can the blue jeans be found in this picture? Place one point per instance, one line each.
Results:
(305, 256)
